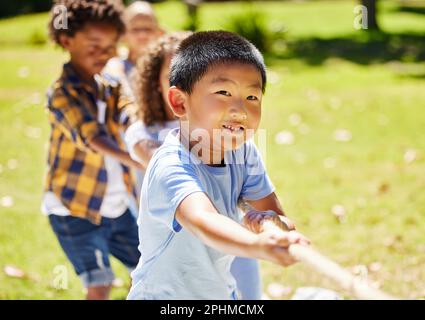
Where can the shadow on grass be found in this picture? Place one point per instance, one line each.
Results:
(420, 76)
(362, 48)
(411, 9)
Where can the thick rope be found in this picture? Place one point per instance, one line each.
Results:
(353, 285)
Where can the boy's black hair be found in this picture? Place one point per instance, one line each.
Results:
(79, 12)
(197, 53)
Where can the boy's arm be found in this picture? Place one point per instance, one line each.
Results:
(126, 107)
(270, 202)
(76, 122)
(198, 215)
(106, 146)
(144, 150)
(267, 207)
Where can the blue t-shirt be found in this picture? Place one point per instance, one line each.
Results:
(174, 263)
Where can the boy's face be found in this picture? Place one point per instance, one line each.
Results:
(91, 47)
(226, 100)
(141, 30)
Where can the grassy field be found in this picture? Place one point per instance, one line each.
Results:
(345, 136)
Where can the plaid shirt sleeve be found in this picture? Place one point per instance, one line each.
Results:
(73, 118)
(127, 109)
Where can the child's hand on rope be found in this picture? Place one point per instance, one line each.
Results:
(273, 245)
(273, 242)
(253, 220)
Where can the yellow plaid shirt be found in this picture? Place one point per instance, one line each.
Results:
(76, 174)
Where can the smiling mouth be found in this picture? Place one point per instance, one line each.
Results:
(234, 128)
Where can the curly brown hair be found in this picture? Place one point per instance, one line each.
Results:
(145, 78)
(79, 12)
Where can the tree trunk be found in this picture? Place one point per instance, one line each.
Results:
(192, 10)
(372, 22)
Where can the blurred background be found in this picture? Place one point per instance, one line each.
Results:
(344, 114)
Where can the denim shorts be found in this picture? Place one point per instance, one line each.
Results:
(88, 246)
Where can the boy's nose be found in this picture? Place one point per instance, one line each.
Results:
(238, 112)
(239, 116)
(107, 53)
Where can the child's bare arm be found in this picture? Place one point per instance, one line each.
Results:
(271, 202)
(107, 146)
(197, 214)
(144, 150)
(267, 207)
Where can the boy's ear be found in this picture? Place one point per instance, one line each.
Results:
(176, 100)
(65, 41)
(161, 31)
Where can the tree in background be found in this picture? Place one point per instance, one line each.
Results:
(12, 7)
(372, 22)
(192, 10)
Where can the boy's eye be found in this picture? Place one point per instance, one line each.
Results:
(94, 49)
(224, 93)
(141, 30)
(251, 98)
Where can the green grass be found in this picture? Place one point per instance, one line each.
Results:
(381, 104)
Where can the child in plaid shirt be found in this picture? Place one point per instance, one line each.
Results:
(89, 188)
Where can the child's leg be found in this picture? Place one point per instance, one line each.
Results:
(247, 274)
(86, 246)
(98, 293)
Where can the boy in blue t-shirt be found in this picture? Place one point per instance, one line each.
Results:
(189, 222)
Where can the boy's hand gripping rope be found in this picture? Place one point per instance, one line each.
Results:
(354, 285)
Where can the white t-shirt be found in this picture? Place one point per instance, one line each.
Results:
(114, 203)
(138, 131)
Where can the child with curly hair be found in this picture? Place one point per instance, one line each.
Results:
(150, 82)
